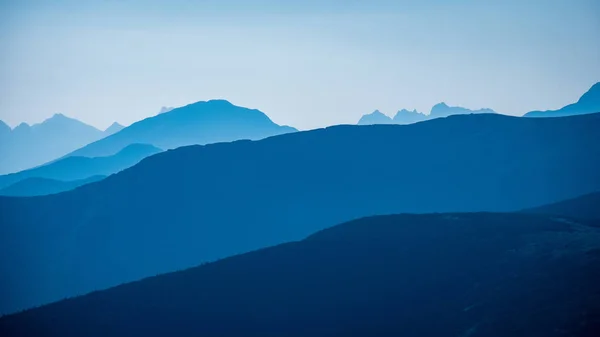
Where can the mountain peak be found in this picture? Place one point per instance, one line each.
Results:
(591, 96)
(114, 128)
(375, 117)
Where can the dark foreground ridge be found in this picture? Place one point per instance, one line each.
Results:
(479, 274)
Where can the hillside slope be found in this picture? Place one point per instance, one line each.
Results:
(200, 203)
(482, 274)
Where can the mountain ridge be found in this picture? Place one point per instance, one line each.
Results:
(286, 186)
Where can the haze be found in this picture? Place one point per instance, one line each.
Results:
(307, 64)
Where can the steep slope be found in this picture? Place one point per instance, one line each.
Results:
(375, 117)
(29, 146)
(43, 186)
(482, 274)
(443, 110)
(77, 168)
(199, 203)
(588, 103)
(198, 123)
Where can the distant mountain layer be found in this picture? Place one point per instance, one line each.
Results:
(182, 207)
(198, 123)
(586, 206)
(114, 128)
(408, 117)
(28, 146)
(42, 186)
(77, 168)
(481, 274)
(588, 103)
(376, 117)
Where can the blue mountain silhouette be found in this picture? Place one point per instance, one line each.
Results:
(588, 103)
(479, 274)
(44, 186)
(407, 117)
(198, 123)
(113, 128)
(77, 168)
(443, 110)
(375, 117)
(29, 146)
(199, 203)
(586, 206)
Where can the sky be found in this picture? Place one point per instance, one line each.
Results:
(305, 63)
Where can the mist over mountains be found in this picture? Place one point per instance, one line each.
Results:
(194, 124)
(179, 208)
(28, 146)
(588, 103)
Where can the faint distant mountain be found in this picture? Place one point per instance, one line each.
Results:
(375, 117)
(29, 146)
(114, 128)
(410, 275)
(194, 204)
(42, 186)
(443, 110)
(588, 103)
(408, 117)
(4, 129)
(165, 109)
(195, 124)
(585, 207)
(77, 168)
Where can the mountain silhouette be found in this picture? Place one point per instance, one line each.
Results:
(29, 146)
(586, 206)
(194, 204)
(443, 110)
(588, 103)
(44, 186)
(77, 168)
(480, 274)
(114, 128)
(165, 109)
(408, 117)
(198, 123)
(375, 117)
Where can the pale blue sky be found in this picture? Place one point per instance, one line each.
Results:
(304, 63)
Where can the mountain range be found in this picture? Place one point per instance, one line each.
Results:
(75, 169)
(408, 117)
(28, 146)
(194, 124)
(194, 204)
(30, 187)
(454, 274)
(588, 103)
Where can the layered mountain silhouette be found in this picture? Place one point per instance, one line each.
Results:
(588, 103)
(375, 117)
(198, 123)
(113, 128)
(182, 207)
(77, 168)
(44, 186)
(28, 146)
(443, 110)
(408, 117)
(479, 274)
(586, 206)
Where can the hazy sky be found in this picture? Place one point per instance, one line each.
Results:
(306, 63)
